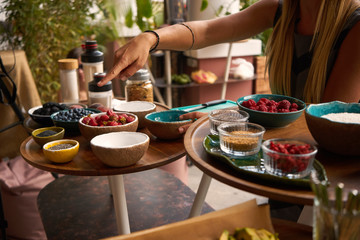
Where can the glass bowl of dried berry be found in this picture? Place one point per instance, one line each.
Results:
(106, 122)
(289, 158)
(271, 110)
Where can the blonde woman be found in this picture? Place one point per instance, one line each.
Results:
(313, 53)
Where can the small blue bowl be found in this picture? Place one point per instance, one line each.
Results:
(165, 124)
(272, 120)
(335, 136)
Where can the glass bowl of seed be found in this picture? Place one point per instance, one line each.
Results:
(61, 151)
(240, 138)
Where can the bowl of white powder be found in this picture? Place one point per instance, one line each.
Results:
(335, 126)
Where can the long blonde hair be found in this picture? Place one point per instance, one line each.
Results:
(331, 19)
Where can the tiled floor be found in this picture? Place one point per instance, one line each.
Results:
(220, 195)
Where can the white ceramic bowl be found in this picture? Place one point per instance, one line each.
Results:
(120, 149)
(139, 108)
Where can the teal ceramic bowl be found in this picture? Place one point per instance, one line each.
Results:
(268, 119)
(165, 124)
(340, 135)
(69, 119)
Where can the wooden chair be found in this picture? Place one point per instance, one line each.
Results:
(79, 207)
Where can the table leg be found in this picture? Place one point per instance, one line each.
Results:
(122, 218)
(200, 196)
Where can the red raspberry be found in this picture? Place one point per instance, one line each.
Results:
(272, 103)
(92, 122)
(122, 120)
(130, 119)
(282, 110)
(264, 100)
(104, 118)
(112, 123)
(260, 103)
(252, 102)
(284, 104)
(294, 105)
(86, 120)
(271, 108)
(263, 108)
(114, 117)
(293, 109)
(245, 104)
(109, 112)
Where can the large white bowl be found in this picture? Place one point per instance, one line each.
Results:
(120, 149)
(139, 108)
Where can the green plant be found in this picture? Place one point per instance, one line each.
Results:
(46, 30)
(149, 15)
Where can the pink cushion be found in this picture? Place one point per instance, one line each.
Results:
(20, 186)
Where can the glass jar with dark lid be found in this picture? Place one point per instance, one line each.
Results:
(139, 87)
(98, 94)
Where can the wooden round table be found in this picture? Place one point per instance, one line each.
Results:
(338, 168)
(86, 163)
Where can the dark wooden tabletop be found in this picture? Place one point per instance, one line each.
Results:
(85, 163)
(338, 168)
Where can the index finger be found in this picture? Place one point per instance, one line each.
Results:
(114, 71)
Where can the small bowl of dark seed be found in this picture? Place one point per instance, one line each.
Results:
(47, 134)
(61, 151)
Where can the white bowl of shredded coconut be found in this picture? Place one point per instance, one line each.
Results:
(335, 126)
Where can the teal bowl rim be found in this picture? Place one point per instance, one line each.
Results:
(239, 101)
(335, 103)
(178, 111)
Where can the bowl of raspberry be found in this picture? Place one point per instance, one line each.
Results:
(95, 124)
(271, 110)
(289, 158)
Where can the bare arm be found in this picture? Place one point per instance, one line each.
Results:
(344, 81)
(244, 24)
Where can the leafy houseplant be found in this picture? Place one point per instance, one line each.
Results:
(46, 30)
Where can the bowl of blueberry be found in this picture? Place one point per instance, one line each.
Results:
(69, 119)
(271, 110)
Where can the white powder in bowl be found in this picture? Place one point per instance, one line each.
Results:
(343, 117)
